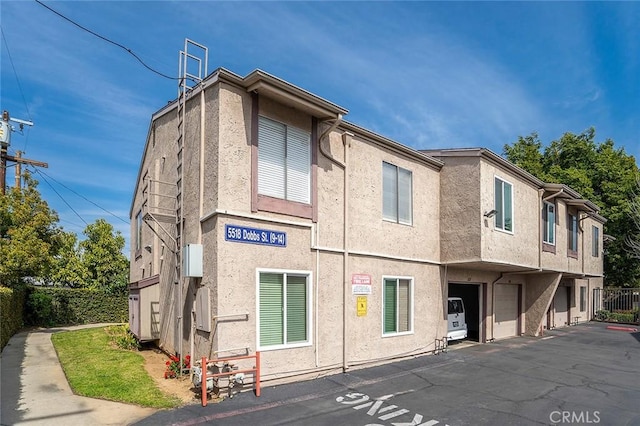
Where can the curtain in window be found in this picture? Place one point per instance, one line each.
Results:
(271, 158)
(389, 192)
(404, 196)
(404, 305)
(498, 204)
(390, 305)
(271, 313)
(296, 309)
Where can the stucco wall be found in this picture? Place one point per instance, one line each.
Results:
(460, 209)
(521, 246)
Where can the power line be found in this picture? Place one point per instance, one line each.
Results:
(19, 85)
(108, 41)
(83, 197)
(61, 197)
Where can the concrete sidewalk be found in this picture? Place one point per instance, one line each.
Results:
(34, 390)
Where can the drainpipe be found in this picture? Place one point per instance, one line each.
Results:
(346, 141)
(540, 193)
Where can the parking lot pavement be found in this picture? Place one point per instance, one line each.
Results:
(586, 374)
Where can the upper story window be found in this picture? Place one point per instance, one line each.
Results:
(396, 194)
(139, 231)
(397, 305)
(572, 231)
(284, 161)
(595, 241)
(549, 223)
(503, 198)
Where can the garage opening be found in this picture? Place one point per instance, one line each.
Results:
(470, 295)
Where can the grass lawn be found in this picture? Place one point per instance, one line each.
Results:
(95, 368)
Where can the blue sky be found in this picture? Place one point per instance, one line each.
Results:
(426, 74)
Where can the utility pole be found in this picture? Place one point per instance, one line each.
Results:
(5, 140)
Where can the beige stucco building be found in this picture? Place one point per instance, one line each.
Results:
(263, 221)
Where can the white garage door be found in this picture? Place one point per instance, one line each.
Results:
(561, 308)
(506, 311)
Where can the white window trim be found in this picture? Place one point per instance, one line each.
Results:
(139, 231)
(573, 224)
(545, 223)
(513, 213)
(595, 241)
(411, 302)
(309, 341)
(397, 219)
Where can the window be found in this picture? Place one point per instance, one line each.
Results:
(139, 231)
(583, 298)
(549, 223)
(573, 234)
(284, 161)
(503, 205)
(397, 305)
(396, 194)
(283, 309)
(595, 241)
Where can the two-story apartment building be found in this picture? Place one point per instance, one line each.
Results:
(524, 255)
(262, 221)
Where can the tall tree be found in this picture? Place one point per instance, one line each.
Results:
(68, 268)
(107, 267)
(598, 171)
(29, 234)
(633, 238)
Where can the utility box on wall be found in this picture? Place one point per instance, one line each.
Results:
(144, 309)
(203, 309)
(192, 260)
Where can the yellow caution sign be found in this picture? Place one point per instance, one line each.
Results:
(361, 307)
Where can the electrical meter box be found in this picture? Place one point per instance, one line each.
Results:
(192, 261)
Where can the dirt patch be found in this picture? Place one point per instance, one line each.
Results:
(155, 364)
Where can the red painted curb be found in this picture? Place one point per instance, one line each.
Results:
(614, 327)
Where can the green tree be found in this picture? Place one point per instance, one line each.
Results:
(633, 238)
(107, 267)
(29, 234)
(68, 268)
(601, 173)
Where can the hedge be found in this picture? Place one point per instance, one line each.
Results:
(54, 306)
(629, 316)
(11, 313)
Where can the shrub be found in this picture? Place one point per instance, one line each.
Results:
(52, 306)
(11, 309)
(122, 337)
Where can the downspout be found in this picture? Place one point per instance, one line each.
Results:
(343, 166)
(346, 141)
(540, 193)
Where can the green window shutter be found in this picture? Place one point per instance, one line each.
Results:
(404, 306)
(390, 306)
(271, 309)
(296, 309)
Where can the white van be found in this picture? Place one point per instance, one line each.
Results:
(456, 322)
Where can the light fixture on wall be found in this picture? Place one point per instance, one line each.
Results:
(148, 248)
(490, 213)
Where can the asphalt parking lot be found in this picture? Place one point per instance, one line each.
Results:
(586, 374)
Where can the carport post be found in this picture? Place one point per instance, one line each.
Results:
(203, 382)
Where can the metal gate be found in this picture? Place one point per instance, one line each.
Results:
(617, 304)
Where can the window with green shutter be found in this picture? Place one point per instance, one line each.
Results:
(283, 305)
(397, 305)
